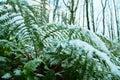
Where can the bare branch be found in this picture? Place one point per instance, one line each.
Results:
(66, 5)
(76, 5)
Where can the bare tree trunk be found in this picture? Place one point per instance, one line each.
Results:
(83, 14)
(72, 8)
(56, 6)
(116, 20)
(87, 14)
(92, 15)
(103, 12)
(111, 29)
(72, 13)
(64, 17)
(44, 15)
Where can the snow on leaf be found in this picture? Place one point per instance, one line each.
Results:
(2, 58)
(17, 72)
(90, 50)
(7, 76)
(67, 32)
(91, 35)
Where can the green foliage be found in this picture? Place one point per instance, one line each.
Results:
(30, 51)
(83, 60)
(60, 32)
(30, 67)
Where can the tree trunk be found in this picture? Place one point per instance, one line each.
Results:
(87, 14)
(72, 8)
(84, 14)
(116, 20)
(103, 13)
(92, 15)
(111, 29)
(54, 12)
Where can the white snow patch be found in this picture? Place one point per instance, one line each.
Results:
(83, 45)
(90, 50)
(3, 17)
(100, 44)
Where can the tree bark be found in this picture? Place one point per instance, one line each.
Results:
(87, 14)
(92, 15)
(111, 29)
(116, 20)
(54, 12)
(72, 8)
(103, 13)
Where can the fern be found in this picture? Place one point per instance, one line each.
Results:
(19, 25)
(82, 57)
(19, 38)
(65, 32)
(88, 50)
(68, 51)
(30, 67)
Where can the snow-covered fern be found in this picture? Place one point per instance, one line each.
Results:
(70, 45)
(79, 53)
(58, 32)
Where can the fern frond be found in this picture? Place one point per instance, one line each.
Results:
(60, 32)
(87, 59)
(19, 25)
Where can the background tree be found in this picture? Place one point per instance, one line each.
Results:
(44, 11)
(116, 19)
(92, 14)
(56, 2)
(103, 13)
(111, 23)
(72, 7)
(87, 13)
